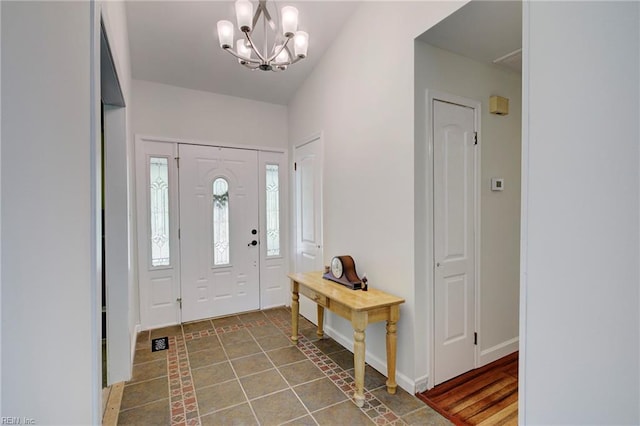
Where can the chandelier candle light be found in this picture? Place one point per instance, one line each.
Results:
(279, 57)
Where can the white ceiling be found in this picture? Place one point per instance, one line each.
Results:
(176, 43)
(481, 30)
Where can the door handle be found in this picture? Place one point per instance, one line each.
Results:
(253, 243)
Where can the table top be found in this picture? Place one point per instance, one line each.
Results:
(356, 300)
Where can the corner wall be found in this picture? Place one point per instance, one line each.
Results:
(48, 303)
(360, 96)
(580, 290)
(500, 140)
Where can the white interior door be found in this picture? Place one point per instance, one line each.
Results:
(308, 177)
(218, 231)
(158, 249)
(454, 239)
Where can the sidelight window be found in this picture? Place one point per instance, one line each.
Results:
(273, 210)
(159, 211)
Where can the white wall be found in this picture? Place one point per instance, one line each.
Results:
(123, 306)
(361, 97)
(439, 70)
(49, 338)
(580, 247)
(174, 112)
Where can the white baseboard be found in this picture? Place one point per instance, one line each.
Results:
(422, 384)
(498, 351)
(134, 341)
(379, 365)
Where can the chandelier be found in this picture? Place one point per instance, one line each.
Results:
(276, 58)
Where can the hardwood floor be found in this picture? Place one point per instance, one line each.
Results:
(484, 396)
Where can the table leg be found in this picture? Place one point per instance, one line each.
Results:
(295, 310)
(359, 323)
(392, 341)
(320, 331)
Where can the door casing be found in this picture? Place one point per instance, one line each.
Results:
(432, 95)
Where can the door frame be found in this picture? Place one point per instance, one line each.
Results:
(431, 96)
(142, 138)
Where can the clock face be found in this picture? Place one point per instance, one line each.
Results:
(336, 267)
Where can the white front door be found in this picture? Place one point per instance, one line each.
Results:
(308, 178)
(158, 249)
(454, 239)
(218, 231)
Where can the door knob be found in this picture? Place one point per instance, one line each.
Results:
(253, 243)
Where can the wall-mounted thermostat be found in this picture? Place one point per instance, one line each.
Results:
(497, 184)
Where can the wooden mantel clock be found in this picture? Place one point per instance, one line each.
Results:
(343, 271)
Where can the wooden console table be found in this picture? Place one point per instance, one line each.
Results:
(359, 307)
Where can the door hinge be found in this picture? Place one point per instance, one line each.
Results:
(295, 167)
(179, 300)
(475, 138)
(475, 338)
(178, 162)
(178, 233)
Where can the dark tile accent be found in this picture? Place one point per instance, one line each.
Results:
(328, 345)
(346, 411)
(238, 415)
(235, 337)
(257, 385)
(300, 372)
(425, 416)
(206, 357)
(251, 364)
(145, 355)
(251, 317)
(226, 321)
(278, 408)
(265, 330)
(274, 342)
(242, 349)
(319, 394)
(203, 343)
(217, 397)
(149, 370)
(212, 374)
(172, 330)
(142, 393)
(286, 355)
(155, 413)
(401, 403)
(197, 326)
(372, 378)
(343, 358)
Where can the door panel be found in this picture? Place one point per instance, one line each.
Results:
(158, 248)
(220, 266)
(454, 239)
(308, 175)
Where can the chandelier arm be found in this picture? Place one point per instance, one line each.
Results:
(275, 54)
(253, 47)
(251, 66)
(242, 58)
(256, 16)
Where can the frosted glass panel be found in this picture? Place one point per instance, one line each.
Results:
(159, 210)
(273, 211)
(220, 222)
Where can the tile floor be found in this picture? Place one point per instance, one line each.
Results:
(244, 370)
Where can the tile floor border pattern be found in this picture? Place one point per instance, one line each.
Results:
(183, 400)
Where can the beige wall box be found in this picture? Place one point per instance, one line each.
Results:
(498, 105)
